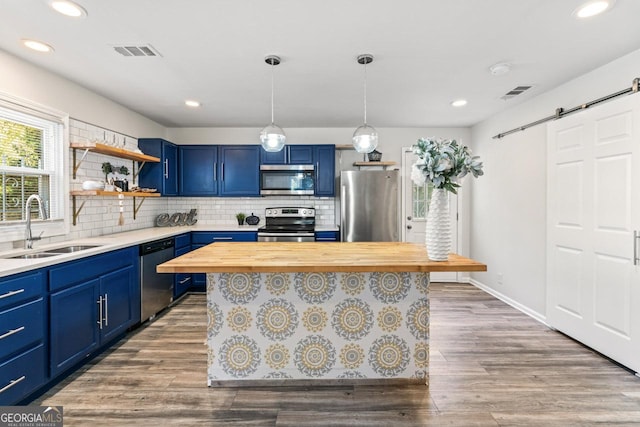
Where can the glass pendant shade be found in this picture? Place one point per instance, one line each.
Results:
(272, 138)
(365, 139)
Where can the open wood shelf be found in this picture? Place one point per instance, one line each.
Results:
(108, 150)
(96, 147)
(113, 193)
(93, 193)
(370, 164)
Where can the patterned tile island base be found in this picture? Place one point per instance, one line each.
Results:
(344, 327)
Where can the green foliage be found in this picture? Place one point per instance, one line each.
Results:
(21, 147)
(443, 162)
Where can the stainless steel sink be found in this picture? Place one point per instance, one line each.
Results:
(70, 249)
(45, 253)
(33, 256)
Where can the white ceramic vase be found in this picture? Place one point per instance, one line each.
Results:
(438, 235)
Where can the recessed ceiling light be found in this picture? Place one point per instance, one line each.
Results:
(459, 103)
(37, 46)
(592, 8)
(500, 68)
(191, 103)
(68, 8)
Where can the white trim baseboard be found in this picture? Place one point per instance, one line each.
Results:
(515, 304)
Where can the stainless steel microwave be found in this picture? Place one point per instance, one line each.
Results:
(286, 180)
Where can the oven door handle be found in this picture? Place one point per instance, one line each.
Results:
(267, 234)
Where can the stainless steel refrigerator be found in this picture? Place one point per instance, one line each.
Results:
(370, 206)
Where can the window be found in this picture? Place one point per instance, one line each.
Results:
(32, 147)
(420, 195)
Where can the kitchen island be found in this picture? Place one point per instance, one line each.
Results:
(313, 312)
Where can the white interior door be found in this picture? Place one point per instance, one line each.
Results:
(593, 286)
(414, 212)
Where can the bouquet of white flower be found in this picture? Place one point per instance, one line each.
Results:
(443, 162)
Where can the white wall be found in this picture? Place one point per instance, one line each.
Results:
(99, 215)
(508, 204)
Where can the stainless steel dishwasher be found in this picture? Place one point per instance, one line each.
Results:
(156, 289)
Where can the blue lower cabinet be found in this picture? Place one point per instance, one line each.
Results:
(182, 280)
(22, 375)
(21, 327)
(327, 236)
(92, 302)
(74, 325)
(23, 335)
(116, 303)
(204, 238)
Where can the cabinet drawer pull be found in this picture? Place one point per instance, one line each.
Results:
(185, 280)
(222, 238)
(12, 383)
(11, 293)
(328, 239)
(11, 332)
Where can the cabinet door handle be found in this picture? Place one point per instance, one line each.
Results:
(12, 383)
(11, 293)
(222, 171)
(99, 311)
(215, 171)
(166, 169)
(222, 238)
(185, 280)
(106, 310)
(11, 332)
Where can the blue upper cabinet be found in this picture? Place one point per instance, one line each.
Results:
(239, 170)
(325, 170)
(198, 170)
(163, 175)
(290, 155)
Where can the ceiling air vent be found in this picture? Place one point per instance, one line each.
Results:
(132, 50)
(515, 92)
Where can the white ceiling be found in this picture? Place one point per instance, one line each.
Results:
(427, 53)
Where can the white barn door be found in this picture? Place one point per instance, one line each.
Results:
(593, 208)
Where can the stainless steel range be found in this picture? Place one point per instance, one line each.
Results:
(288, 225)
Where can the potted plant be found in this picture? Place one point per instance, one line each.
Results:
(107, 169)
(442, 162)
(240, 217)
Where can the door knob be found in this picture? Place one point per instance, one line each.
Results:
(409, 218)
(409, 227)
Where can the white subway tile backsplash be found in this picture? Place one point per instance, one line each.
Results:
(100, 215)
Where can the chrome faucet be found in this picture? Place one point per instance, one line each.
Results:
(28, 237)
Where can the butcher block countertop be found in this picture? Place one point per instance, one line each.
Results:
(290, 257)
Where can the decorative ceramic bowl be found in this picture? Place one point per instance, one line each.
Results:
(93, 185)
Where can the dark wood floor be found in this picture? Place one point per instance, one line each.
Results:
(490, 366)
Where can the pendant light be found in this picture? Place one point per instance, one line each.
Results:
(272, 137)
(365, 138)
